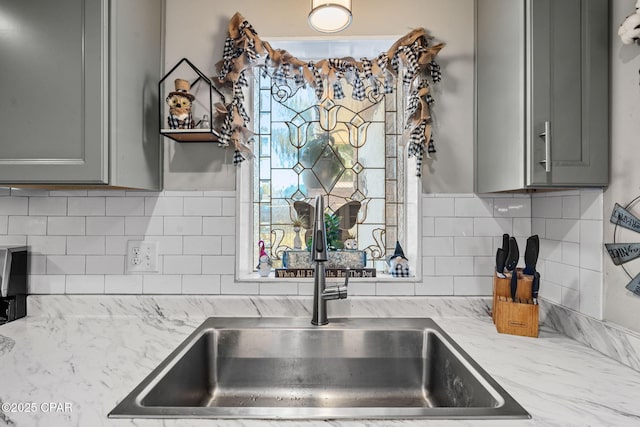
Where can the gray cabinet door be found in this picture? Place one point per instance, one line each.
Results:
(568, 92)
(54, 91)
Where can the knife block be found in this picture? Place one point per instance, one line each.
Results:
(515, 318)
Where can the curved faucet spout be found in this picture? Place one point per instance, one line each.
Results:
(319, 256)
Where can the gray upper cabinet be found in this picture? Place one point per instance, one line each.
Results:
(542, 102)
(80, 92)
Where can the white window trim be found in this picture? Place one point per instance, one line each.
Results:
(412, 247)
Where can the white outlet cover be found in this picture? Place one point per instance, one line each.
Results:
(142, 256)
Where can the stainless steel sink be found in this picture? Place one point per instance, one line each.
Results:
(288, 369)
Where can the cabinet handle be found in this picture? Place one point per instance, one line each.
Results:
(546, 135)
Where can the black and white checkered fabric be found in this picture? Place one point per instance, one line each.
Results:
(412, 66)
(338, 93)
(412, 104)
(359, 93)
(317, 78)
(395, 62)
(175, 123)
(238, 157)
(366, 68)
(400, 270)
(298, 78)
(226, 130)
(431, 148)
(382, 60)
(388, 83)
(416, 145)
(434, 69)
(278, 76)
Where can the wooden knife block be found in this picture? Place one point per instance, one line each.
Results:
(515, 318)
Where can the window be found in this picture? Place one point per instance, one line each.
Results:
(346, 149)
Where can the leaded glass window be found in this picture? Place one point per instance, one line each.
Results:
(343, 149)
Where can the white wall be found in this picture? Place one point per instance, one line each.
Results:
(196, 29)
(620, 305)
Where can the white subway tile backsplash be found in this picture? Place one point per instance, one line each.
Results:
(438, 207)
(86, 245)
(65, 264)
(182, 226)
(125, 206)
(453, 227)
(437, 246)
(567, 276)
(591, 291)
(492, 226)
(592, 204)
(571, 207)
(567, 230)
(515, 207)
(474, 207)
(14, 206)
(221, 226)
(228, 206)
(570, 253)
(105, 226)
(522, 227)
(203, 206)
(182, 264)
(37, 264)
(88, 284)
(203, 245)
(79, 242)
(431, 285)
(223, 264)
(86, 206)
(474, 285)
(144, 225)
(46, 284)
(395, 288)
(591, 247)
(161, 284)
(163, 206)
(547, 207)
(228, 245)
(202, 284)
(454, 266)
(66, 225)
(105, 264)
(123, 284)
(473, 246)
(13, 240)
(570, 298)
(47, 206)
(47, 245)
(33, 225)
(117, 245)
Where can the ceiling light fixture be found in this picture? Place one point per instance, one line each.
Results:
(330, 16)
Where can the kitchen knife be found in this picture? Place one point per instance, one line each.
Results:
(505, 243)
(513, 255)
(514, 285)
(501, 259)
(535, 287)
(531, 254)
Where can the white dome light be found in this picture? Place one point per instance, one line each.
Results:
(330, 16)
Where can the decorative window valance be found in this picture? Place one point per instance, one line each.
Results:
(243, 49)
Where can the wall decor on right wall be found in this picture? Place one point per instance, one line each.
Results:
(622, 253)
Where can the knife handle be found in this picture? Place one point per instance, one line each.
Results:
(546, 135)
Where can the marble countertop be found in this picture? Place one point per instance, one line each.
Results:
(84, 354)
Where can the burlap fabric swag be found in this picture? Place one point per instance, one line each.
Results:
(243, 50)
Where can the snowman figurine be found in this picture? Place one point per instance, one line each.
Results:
(264, 261)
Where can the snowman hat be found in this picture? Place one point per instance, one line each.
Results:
(182, 89)
(398, 253)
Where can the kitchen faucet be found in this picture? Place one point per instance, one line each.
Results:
(322, 293)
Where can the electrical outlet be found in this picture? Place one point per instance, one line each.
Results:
(142, 256)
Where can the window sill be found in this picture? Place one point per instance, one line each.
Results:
(381, 277)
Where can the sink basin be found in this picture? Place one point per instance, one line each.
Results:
(288, 369)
